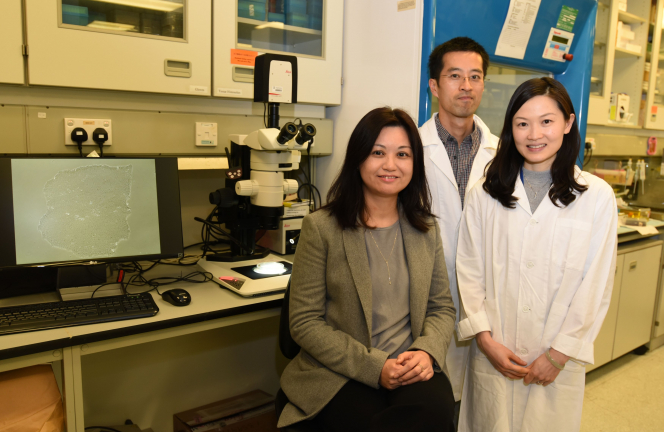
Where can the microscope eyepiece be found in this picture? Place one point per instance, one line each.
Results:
(307, 133)
(288, 131)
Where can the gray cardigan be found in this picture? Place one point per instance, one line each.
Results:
(330, 311)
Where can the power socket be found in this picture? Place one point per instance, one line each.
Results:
(89, 125)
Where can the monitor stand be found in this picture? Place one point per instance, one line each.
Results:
(80, 282)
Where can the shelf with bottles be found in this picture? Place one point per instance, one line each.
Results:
(157, 18)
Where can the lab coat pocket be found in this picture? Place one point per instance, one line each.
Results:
(571, 240)
(484, 396)
(564, 395)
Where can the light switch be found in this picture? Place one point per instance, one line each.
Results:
(206, 134)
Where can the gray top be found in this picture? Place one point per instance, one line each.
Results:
(390, 324)
(537, 184)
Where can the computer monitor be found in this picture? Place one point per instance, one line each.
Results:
(59, 211)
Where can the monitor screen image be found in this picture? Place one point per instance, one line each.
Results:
(83, 209)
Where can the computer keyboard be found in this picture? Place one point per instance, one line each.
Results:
(18, 319)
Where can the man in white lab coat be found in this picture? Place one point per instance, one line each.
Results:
(457, 148)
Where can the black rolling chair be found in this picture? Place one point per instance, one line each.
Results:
(289, 348)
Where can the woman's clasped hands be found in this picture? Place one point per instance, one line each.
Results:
(408, 368)
(541, 371)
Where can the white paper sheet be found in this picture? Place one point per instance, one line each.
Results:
(517, 28)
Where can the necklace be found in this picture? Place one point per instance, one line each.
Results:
(535, 191)
(389, 278)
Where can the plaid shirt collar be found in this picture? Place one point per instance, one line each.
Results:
(475, 136)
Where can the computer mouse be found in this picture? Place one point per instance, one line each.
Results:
(177, 297)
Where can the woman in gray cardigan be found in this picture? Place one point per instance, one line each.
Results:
(369, 301)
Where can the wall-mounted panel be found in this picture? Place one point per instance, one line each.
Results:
(12, 130)
(11, 42)
(152, 133)
(69, 49)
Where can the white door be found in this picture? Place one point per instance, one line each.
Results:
(161, 46)
(11, 42)
(312, 31)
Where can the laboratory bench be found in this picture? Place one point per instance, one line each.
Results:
(147, 369)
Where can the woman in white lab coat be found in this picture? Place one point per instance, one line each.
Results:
(535, 267)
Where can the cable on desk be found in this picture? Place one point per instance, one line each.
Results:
(103, 428)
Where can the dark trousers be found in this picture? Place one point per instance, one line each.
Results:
(423, 406)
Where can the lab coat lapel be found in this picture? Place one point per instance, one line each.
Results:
(358, 261)
(485, 154)
(520, 194)
(418, 257)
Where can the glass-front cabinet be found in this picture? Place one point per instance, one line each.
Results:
(600, 52)
(287, 26)
(164, 18)
(158, 46)
(11, 42)
(309, 29)
(652, 110)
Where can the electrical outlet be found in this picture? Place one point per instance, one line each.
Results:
(89, 125)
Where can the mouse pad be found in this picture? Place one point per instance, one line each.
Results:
(249, 272)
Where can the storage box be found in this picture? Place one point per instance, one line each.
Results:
(296, 6)
(297, 19)
(276, 17)
(74, 15)
(619, 103)
(249, 412)
(251, 9)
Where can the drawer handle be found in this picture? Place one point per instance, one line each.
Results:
(632, 266)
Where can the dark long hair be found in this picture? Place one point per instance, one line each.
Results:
(501, 174)
(346, 196)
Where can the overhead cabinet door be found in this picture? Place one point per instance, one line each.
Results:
(161, 46)
(312, 30)
(11, 42)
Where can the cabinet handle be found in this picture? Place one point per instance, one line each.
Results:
(632, 266)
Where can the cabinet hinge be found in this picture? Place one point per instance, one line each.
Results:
(657, 323)
(342, 80)
(24, 48)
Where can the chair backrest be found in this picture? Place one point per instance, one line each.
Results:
(289, 348)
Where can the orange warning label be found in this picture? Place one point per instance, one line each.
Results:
(243, 57)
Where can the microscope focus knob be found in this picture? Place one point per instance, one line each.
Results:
(290, 186)
(246, 188)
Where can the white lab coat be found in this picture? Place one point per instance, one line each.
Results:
(447, 207)
(535, 281)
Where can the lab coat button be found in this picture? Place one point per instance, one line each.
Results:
(530, 264)
(533, 222)
(524, 351)
(526, 308)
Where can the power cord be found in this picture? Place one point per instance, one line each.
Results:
(79, 136)
(100, 136)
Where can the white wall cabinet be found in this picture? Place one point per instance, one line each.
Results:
(122, 50)
(11, 42)
(628, 322)
(318, 51)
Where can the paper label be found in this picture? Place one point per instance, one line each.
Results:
(567, 18)
(243, 57)
(405, 5)
(227, 91)
(653, 110)
(198, 89)
(517, 28)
